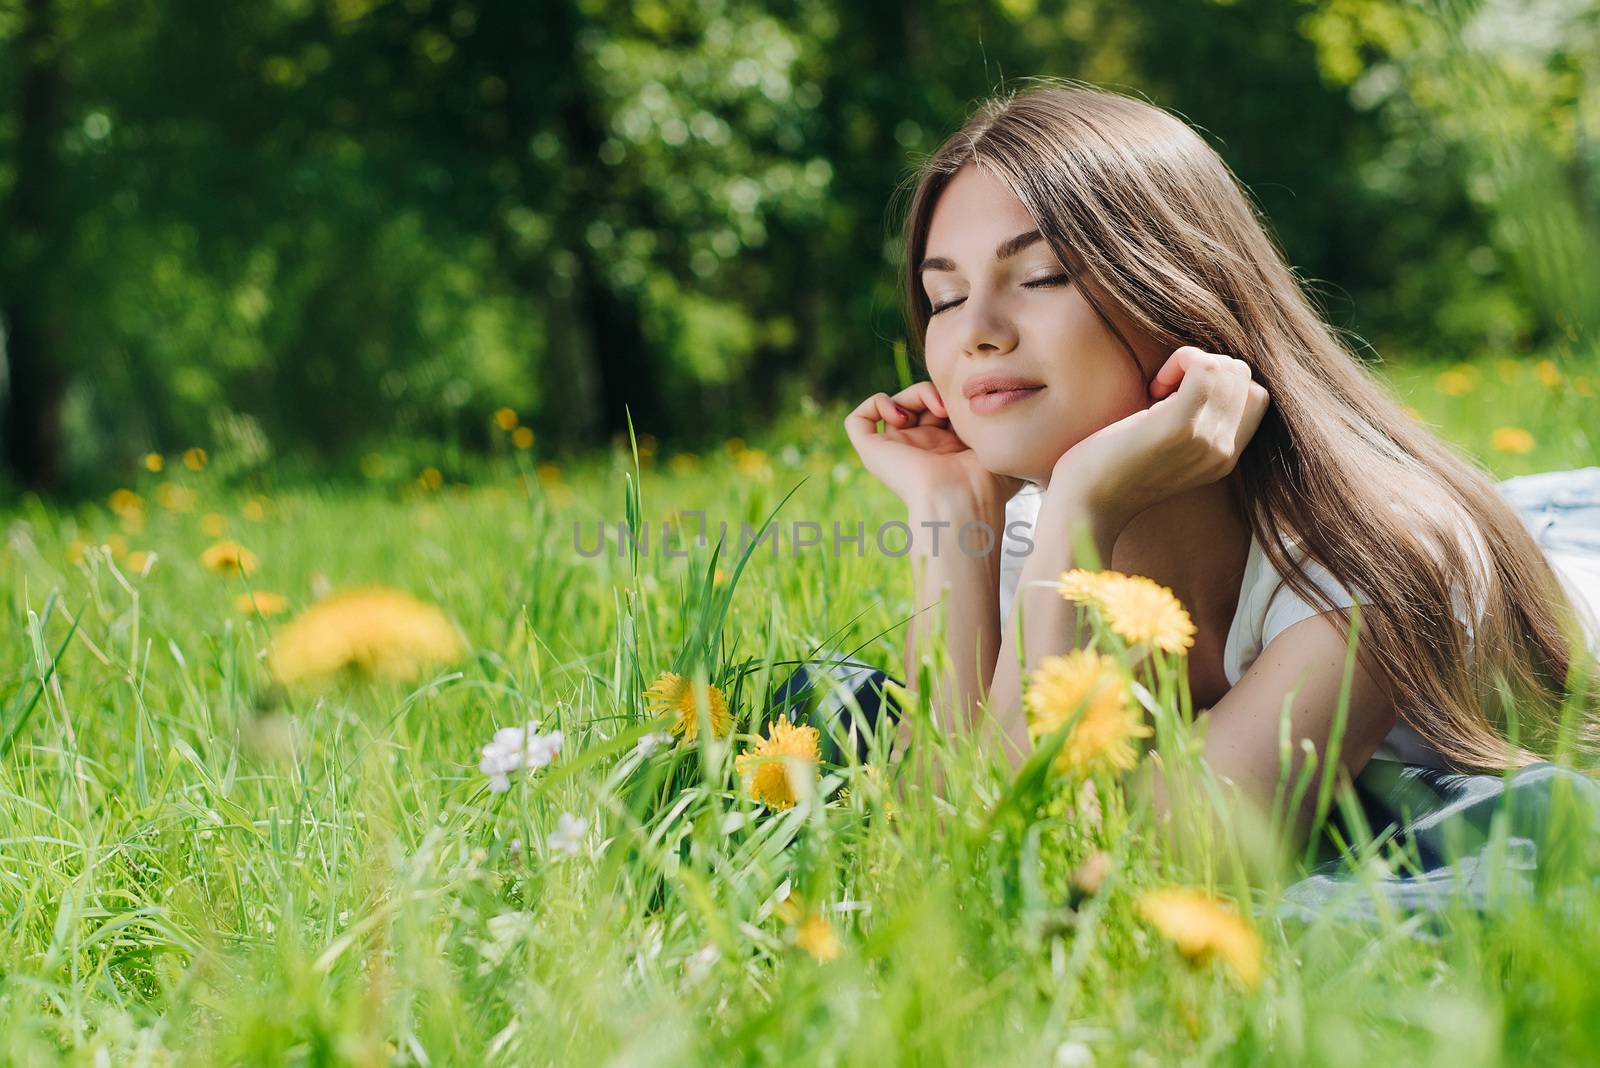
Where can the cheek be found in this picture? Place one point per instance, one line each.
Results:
(942, 373)
(1098, 374)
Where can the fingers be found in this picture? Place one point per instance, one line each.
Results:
(1255, 410)
(862, 423)
(1204, 378)
(922, 396)
(913, 406)
(1190, 368)
(1216, 395)
(1173, 370)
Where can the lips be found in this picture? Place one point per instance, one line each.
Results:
(990, 393)
(998, 384)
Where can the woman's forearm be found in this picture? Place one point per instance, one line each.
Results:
(1049, 622)
(956, 577)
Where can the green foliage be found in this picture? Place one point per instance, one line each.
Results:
(338, 224)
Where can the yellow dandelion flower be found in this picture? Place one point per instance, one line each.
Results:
(789, 910)
(769, 767)
(1512, 439)
(1548, 373)
(1457, 381)
(268, 604)
(431, 478)
(228, 556)
(673, 695)
(139, 561)
(1204, 928)
(1104, 732)
(117, 545)
(77, 549)
(683, 463)
(1080, 584)
(549, 473)
(212, 524)
(870, 773)
(383, 633)
(752, 462)
(194, 459)
(1583, 386)
(505, 419)
(125, 501)
(154, 461)
(816, 936)
(175, 498)
(809, 928)
(522, 438)
(255, 509)
(1138, 610)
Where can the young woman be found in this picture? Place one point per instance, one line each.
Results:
(1116, 350)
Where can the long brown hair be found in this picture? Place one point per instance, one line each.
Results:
(1150, 221)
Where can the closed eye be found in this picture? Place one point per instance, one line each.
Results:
(1037, 283)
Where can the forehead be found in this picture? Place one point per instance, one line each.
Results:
(975, 212)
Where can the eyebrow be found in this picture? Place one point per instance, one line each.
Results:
(1008, 248)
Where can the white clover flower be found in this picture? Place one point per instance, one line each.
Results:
(651, 742)
(697, 964)
(569, 833)
(541, 749)
(515, 748)
(1071, 1054)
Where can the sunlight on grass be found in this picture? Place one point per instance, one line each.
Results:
(506, 846)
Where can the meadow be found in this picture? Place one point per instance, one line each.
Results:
(212, 852)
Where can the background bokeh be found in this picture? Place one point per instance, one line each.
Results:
(320, 319)
(339, 235)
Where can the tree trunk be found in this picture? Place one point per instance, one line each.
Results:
(629, 375)
(32, 341)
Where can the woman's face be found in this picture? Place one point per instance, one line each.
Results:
(1006, 318)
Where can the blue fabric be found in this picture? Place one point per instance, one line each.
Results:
(842, 698)
(1560, 508)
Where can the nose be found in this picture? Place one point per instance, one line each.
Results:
(987, 329)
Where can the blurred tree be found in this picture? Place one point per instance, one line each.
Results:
(330, 228)
(1506, 91)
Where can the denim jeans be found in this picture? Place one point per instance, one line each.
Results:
(1560, 508)
(838, 696)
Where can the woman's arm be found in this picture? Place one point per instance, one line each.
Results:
(944, 487)
(949, 571)
(1047, 621)
(1302, 668)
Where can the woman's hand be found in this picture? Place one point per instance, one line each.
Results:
(919, 454)
(1205, 411)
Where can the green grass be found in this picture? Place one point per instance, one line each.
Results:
(198, 867)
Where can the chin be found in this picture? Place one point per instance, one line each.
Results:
(1010, 462)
